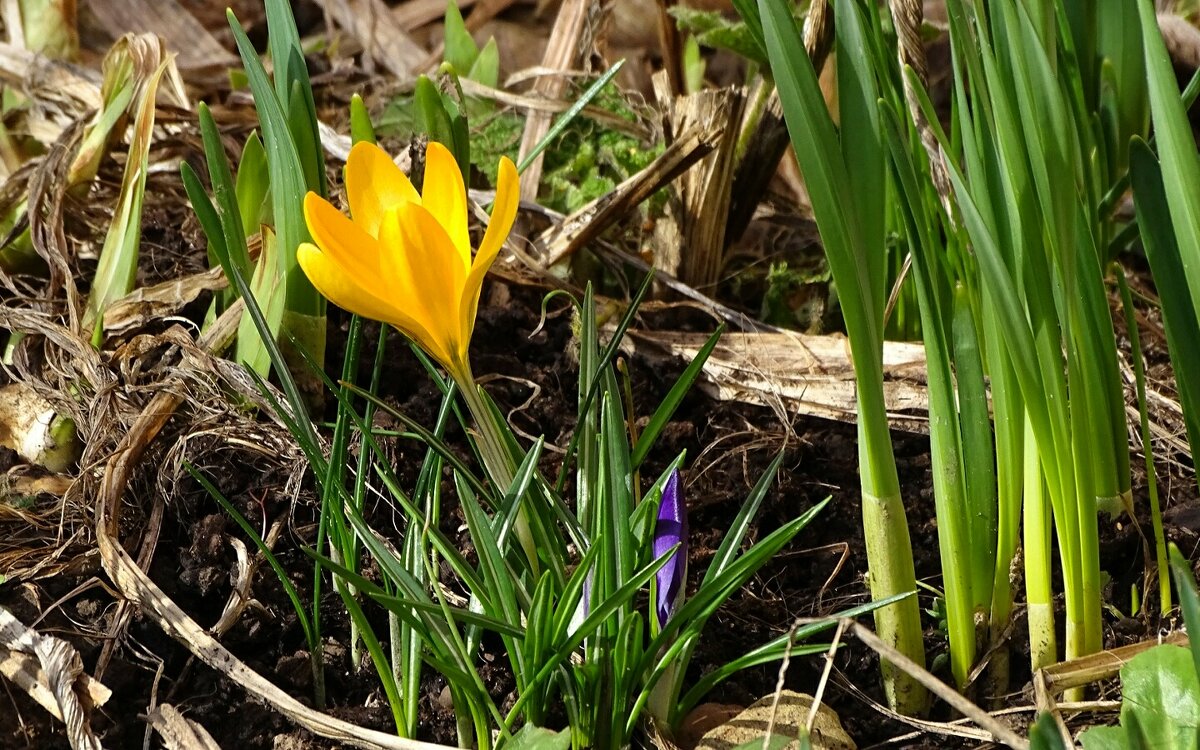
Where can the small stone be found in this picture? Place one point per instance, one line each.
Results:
(791, 716)
(703, 719)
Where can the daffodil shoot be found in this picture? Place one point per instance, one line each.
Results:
(404, 257)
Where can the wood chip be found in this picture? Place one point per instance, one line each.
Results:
(184, 35)
(690, 239)
(383, 39)
(810, 375)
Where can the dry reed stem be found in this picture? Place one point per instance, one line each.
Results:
(568, 42)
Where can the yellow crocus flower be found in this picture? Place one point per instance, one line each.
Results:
(404, 257)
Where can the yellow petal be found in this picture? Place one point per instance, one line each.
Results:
(373, 185)
(351, 248)
(504, 211)
(445, 195)
(331, 280)
(421, 260)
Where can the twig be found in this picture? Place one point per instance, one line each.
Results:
(590, 221)
(567, 40)
(816, 702)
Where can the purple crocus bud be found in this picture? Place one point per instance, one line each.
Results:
(670, 529)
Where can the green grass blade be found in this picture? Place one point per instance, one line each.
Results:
(1169, 266)
(978, 451)
(378, 658)
(598, 614)
(288, 587)
(592, 363)
(285, 170)
(1177, 147)
(401, 604)
(460, 48)
(732, 542)
(206, 214)
(361, 129)
(1139, 375)
(253, 186)
(572, 112)
(498, 576)
(960, 559)
(662, 415)
(224, 194)
(1189, 599)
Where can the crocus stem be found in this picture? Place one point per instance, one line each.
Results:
(889, 551)
(497, 458)
(1043, 647)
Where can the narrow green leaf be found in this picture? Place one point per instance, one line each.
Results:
(382, 668)
(1189, 600)
(597, 615)
(1180, 162)
(432, 118)
(666, 409)
(253, 187)
(224, 194)
(292, 594)
(206, 214)
(298, 423)
(500, 579)
(267, 287)
(1160, 235)
(978, 451)
(741, 522)
(361, 128)
(461, 50)
(285, 170)
(572, 593)
(307, 140)
(566, 117)
(486, 68)
(427, 438)
(283, 40)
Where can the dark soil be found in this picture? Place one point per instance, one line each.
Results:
(531, 375)
(728, 444)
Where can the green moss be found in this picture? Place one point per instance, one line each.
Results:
(587, 161)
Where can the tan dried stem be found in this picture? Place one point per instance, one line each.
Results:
(569, 39)
(908, 17)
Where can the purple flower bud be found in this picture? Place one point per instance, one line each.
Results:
(670, 529)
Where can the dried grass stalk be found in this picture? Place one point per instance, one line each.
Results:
(51, 672)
